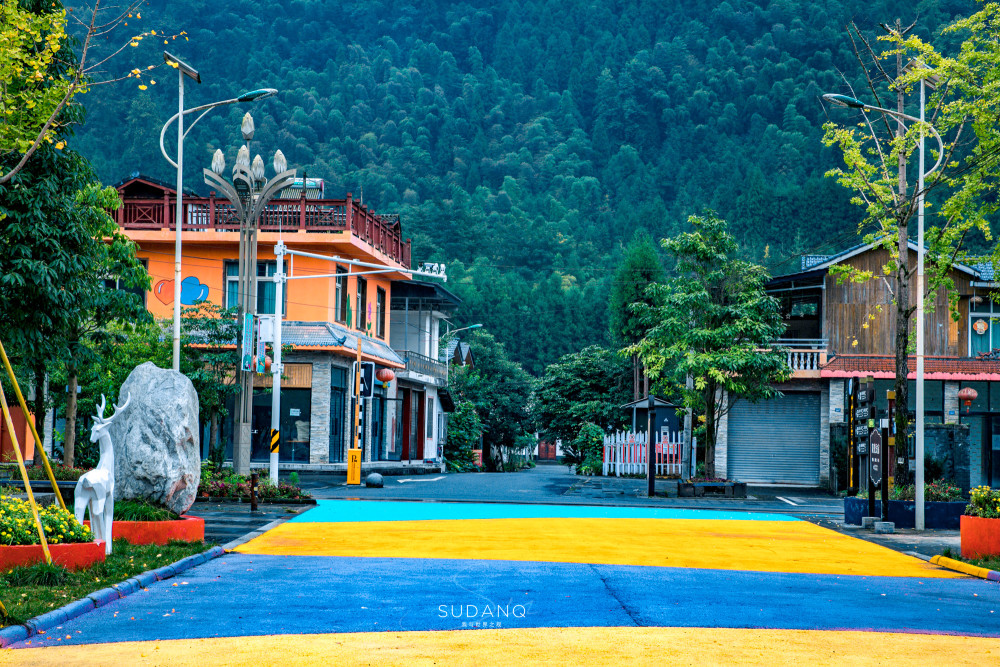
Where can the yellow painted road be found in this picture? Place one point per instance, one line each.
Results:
(566, 646)
(764, 546)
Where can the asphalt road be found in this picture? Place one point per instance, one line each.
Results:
(556, 484)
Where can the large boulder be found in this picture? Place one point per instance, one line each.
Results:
(157, 450)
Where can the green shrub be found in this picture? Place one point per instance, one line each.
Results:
(293, 478)
(984, 502)
(60, 472)
(589, 447)
(465, 429)
(142, 510)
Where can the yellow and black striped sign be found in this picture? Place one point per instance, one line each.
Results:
(274, 440)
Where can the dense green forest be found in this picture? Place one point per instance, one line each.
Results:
(524, 142)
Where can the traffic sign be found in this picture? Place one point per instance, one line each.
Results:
(875, 457)
(367, 378)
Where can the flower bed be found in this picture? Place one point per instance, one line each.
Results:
(939, 515)
(70, 544)
(225, 483)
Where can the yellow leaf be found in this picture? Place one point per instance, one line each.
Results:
(854, 343)
(142, 87)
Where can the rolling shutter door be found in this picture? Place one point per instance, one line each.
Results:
(775, 441)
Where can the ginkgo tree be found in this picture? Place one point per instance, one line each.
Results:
(961, 195)
(41, 74)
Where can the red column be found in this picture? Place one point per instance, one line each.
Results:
(211, 209)
(350, 212)
(166, 211)
(302, 209)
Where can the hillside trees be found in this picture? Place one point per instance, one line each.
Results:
(714, 322)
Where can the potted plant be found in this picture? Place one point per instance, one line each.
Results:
(981, 524)
(142, 522)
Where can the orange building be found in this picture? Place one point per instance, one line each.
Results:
(326, 318)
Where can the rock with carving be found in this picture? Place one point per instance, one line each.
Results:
(156, 444)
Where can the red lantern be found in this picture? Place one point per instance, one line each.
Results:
(267, 364)
(385, 375)
(967, 396)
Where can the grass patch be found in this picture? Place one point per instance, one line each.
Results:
(27, 592)
(142, 510)
(990, 562)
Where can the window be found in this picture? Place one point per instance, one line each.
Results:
(380, 313)
(430, 417)
(266, 287)
(362, 319)
(118, 284)
(984, 326)
(340, 307)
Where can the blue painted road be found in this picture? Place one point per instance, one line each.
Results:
(254, 595)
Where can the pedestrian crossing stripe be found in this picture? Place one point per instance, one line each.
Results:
(274, 440)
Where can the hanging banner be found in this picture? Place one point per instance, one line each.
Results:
(259, 358)
(246, 353)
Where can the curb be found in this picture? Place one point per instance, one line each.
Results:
(16, 633)
(965, 568)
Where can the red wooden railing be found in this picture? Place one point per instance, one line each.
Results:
(313, 215)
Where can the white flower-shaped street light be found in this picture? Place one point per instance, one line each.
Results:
(250, 192)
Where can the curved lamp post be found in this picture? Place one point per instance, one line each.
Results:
(447, 360)
(249, 193)
(850, 102)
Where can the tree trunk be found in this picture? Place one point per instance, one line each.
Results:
(69, 438)
(710, 426)
(902, 296)
(39, 411)
(213, 434)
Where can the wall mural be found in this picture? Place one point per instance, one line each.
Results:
(192, 291)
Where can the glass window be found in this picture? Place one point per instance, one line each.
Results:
(340, 307)
(362, 317)
(430, 417)
(933, 396)
(380, 313)
(266, 287)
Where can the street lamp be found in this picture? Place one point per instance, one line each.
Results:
(249, 193)
(850, 102)
(184, 70)
(447, 360)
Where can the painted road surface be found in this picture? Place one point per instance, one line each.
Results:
(399, 583)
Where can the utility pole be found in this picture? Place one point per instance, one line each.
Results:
(279, 285)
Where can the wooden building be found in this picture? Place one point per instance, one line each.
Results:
(839, 329)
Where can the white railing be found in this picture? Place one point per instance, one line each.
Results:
(625, 454)
(806, 360)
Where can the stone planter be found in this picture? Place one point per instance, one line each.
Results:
(186, 529)
(980, 537)
(701, 489)
(73, 556)
(939, 515)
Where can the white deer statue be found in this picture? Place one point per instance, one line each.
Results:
(96, 488)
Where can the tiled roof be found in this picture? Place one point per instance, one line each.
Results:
(985, 271)
(328, 334)
(935, 368)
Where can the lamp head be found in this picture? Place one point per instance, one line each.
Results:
(257, 169)
(179, 64)
(247, 127)
(844, 101)
(243, 157)
(259, 94)
(218, 162)
(281, 164)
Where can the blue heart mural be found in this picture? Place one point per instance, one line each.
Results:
(192, 291)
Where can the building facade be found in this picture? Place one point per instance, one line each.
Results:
(325, 318)
(838, 330)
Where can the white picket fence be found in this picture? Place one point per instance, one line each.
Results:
(625, 453)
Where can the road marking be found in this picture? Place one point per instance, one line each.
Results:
(404, 481)
(786, 500)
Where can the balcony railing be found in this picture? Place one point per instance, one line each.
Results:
(805, 356)
(419, 363)
(313, 215)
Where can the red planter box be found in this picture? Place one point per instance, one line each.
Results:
(187, 528)
(72, 556)
(980, 537)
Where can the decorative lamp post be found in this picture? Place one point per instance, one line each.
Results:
(184, 70)
(850, 102)
(249, 193)
(967, 396)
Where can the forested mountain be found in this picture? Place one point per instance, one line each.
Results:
(525, 142)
